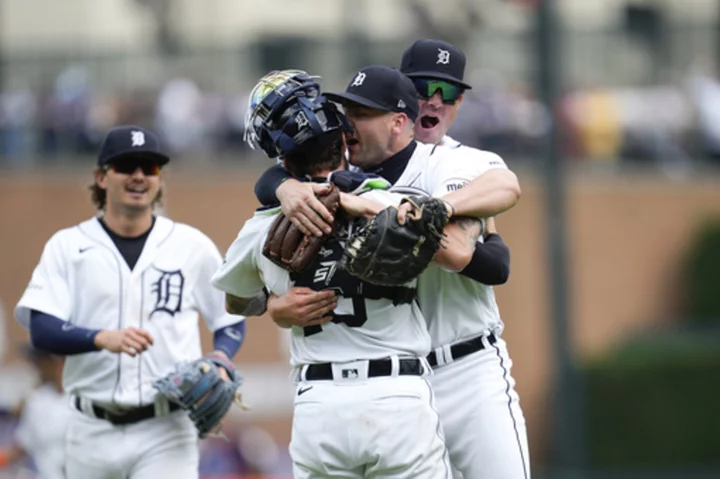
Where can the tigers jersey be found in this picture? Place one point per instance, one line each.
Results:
(455, 307)
(366, 324)
(449, 142)
(83, 279)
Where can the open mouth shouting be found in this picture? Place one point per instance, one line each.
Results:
(428, 122)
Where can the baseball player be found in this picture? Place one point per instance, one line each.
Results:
(363, 408)
(476, 398)
(475, 391)
(119, 295)
(43, 421)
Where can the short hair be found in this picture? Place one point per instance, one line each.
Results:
(320, 153)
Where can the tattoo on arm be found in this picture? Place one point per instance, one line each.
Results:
(254, 306)
(472, 228)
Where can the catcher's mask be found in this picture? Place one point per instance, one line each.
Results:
(286, 109)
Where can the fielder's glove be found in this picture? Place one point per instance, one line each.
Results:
(386, 253)
(288, 248)
(198, 388)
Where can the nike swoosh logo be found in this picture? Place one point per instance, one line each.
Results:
(82, 250)
(234, 334)
(67, 326)
(303, 391)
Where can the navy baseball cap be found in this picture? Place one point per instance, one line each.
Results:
(434, 59)
(131, 141)
(383, 88)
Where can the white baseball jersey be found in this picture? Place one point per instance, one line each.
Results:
(41, 431)
(449, 142)
(456, 308)
(83, 279)
(363, 329)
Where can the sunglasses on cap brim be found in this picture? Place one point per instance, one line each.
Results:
(427, 87)
(128, 167)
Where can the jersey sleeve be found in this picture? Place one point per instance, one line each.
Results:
(210, 301)
(384, 197)
(49, 290)
(453, 168)
(239, 273)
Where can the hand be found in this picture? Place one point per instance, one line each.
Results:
(356, 206)
(408, 208)
(223, 372)
(132, 341)
(303, 209)
(302, 307)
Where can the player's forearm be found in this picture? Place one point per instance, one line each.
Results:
(255, 306)
(461, 236)
(229, 339)
(56, 336)
(488, 195)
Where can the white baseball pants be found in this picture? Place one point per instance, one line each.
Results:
(367, 428)
(481, 416)
(155, 448)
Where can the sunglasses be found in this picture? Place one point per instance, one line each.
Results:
(129, 167)
(426, 88)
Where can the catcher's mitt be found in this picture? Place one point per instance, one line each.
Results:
(198, 388)
(386, 253)
(287, 247)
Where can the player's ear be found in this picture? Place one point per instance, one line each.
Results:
(100, 175)
(399, 122)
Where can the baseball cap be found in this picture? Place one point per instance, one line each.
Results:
(131, 140)
(383, 88)
(434, 59)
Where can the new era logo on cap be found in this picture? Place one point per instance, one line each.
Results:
(428, 58)
(131, 140)
(382, 88)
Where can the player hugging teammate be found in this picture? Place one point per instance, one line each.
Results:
(472, 381)
(363, 406)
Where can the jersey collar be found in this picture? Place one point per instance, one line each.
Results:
(158, 234)
(392, 168)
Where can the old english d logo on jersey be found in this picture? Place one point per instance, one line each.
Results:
(167, 290)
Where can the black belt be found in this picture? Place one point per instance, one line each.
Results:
(465, 348)
(376, 368)
(130, 416)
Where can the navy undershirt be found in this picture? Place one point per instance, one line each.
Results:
(129, 247)
(393, 168)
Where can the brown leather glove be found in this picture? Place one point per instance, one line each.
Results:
(288, 248)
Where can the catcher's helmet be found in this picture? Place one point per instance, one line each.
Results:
(286, 109)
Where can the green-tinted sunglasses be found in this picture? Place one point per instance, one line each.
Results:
(426, 88)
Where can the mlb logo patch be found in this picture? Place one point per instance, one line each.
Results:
(350, 373)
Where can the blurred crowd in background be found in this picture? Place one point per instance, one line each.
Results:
(671, 126)
(639, 82)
